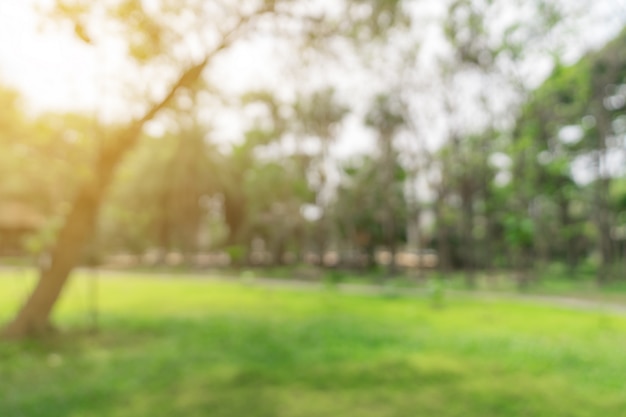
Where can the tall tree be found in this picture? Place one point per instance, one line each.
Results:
(365, 229)
(154, 37)
(386, 117)
(573, 115)
(319, 116)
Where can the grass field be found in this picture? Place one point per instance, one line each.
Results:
(184, 347)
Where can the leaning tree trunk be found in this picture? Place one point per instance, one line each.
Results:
(34, 317)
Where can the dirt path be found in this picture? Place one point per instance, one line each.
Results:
(548, 300)
(568, 302)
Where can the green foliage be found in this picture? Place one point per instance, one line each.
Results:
(236, 253)
(386, 115)
(42, 240)
(519, 231)
(43, 159)
(334, 277)
(320, 114)
(363, 188)
(258, 189)
(618, 195)
(577, 97)
(157, 198)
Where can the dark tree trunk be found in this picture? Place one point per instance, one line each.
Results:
(235, 215)
(443, 237)
(601, 210)
(467, 233)
(603, 225)
(569, 238)
(392, 268)
(279, 248)
(390, 232)
(370, 254)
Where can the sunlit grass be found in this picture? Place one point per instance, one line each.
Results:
(175, 346)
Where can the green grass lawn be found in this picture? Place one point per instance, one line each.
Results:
(183, 347)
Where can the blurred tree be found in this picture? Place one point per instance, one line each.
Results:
(267, 130)
(320, 115)
(155, 37)
(575, 116)
(386, 117)
(277, 191)
(487, 44)
(367, 227)
(58, 142)
(156, 200)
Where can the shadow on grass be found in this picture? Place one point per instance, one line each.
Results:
(241, 366)
(145, 368)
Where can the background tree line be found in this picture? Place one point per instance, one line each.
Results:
(468, 158)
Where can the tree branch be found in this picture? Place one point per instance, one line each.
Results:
(193, 73)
